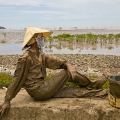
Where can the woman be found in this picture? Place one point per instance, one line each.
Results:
(31, 71)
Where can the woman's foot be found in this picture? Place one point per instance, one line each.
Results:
(98, 82)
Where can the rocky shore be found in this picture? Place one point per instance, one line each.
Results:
(81, 62)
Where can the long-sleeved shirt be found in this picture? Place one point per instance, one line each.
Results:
(30, 70)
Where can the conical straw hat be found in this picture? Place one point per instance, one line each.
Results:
(32, 31)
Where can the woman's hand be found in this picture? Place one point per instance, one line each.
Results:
(71, 70)
(4, 108)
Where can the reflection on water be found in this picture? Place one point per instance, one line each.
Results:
(64, 48)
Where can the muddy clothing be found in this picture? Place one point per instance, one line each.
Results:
(31, 71)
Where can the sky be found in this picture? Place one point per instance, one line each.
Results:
(53, 14)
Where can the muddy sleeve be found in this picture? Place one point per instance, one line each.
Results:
(18, 78)
(54, 62)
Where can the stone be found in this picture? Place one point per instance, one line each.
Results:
(24, 107)
(103, 63)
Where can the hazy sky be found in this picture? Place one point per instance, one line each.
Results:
(60, 13)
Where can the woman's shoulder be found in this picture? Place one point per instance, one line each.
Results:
(24, 55)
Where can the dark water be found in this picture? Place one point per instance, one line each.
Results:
(13, 48)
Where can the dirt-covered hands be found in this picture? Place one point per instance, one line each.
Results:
(71, 70)
(4, 108)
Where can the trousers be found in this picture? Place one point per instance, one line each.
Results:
(55, 87)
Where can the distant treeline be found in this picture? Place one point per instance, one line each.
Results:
(2, 27)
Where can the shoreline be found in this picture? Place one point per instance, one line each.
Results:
(70, 31)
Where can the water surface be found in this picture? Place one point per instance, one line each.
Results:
(13, 48)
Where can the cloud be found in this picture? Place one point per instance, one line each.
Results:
(74, 14)
(59, 11)
(91, 10)
(53, 2)
(43, 12)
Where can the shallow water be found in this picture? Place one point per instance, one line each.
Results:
(13, 48)
(15, 39)
(114, 51)
(8, 49)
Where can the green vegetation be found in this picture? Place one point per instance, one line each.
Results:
(89, 38)
(117, 37)
(5, 79)
(71, 84)
(49, 75)
(80, 37)
(106, 85)
(50, 39)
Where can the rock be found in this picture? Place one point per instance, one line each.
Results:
(23, 107)
(81, 62)
(4, 88)
(6, 70)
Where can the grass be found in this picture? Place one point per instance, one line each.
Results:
(106, 85)
(5, 79)
(49, 75)
(70, 84)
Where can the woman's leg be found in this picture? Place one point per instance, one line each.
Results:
(49, 87)
(88, 87)
(83, 81)
(77, 92)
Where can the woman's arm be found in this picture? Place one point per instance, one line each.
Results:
(54, 62)
(71, 69)
(16, 84)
